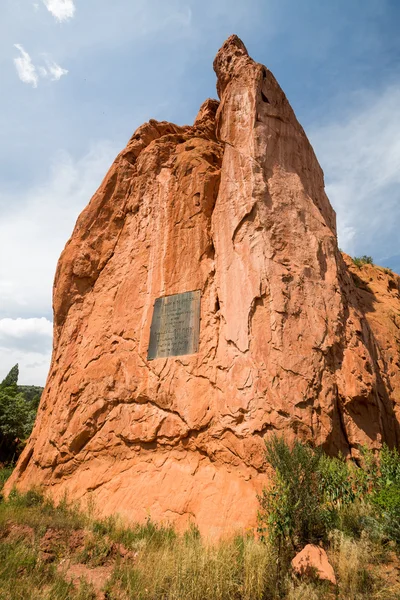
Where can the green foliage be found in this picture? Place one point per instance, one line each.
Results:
(32, 498)
(17, 415)
(387, 501)
(292, 510)
(385, 494)
(31, 393)
(11, 379)
(336, 479)
(359, 261)
(4, 475)
(312, 494)
(389, 467)
(359, 518)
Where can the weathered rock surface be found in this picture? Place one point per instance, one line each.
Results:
(290, 341)
(313, 561)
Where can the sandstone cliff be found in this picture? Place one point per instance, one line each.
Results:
(293, 337)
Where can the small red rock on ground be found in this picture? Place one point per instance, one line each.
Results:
(55, 538)
(313, 560)
(17, 532)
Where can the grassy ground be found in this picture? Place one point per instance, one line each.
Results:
(60, 553)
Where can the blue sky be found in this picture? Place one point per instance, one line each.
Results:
(79, 76)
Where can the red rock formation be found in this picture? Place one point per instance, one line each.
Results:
(233, 206)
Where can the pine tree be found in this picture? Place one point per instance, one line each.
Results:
(10, 380)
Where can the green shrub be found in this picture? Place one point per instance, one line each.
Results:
(359, 261)
(292, 510)
(336, 481)
(385, 494)
(389, 467)
(387, 501)
(311, 494)
(32, 498)
(361, 518)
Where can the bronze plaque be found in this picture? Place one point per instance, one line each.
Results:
(175, 326)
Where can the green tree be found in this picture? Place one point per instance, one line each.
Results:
(11, 379)
(17, 416)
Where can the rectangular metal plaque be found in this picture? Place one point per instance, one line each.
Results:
(175, 326)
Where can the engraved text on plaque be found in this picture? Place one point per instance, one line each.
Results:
(175, 325)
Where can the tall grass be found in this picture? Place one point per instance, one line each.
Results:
(161, 564)
(23, 576)
(356, 516)
(188, 569)
(5, 473)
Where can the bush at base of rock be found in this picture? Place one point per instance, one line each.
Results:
(311, 493)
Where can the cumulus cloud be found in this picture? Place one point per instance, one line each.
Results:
(28, 343)
(62, 10)
(25, 68)
(32, 335)
(37, 222)
(37, 228)
(361, 156)
(29, 73)
(33, 366)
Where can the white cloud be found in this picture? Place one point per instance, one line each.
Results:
(34, 232)
(62, 10)
(360, 154)
(28, 73)
(32, 237)
(55, 71)
(33, 366)
(25, 68)
(18, 329)
(28, 343)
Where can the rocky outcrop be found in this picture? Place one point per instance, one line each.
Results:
(313, 562)
(290, 342)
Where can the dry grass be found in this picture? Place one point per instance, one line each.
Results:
(188, 569)
(159, 564)
(358, 567)
(307, 591)
(350, 560)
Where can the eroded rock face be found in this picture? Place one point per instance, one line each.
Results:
(233, 206)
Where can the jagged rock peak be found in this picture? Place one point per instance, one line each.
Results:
(232, 52)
